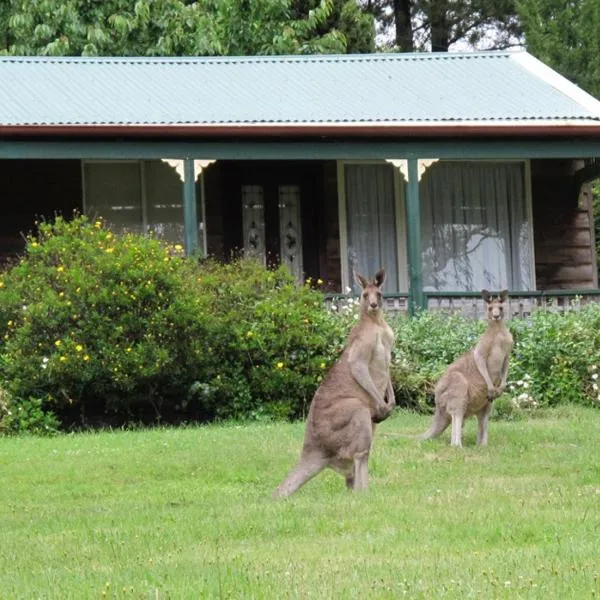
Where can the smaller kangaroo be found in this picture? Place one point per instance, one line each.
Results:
(355, 394)
(475, 379)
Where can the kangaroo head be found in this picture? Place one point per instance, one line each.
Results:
(495, 305)
(371, 299)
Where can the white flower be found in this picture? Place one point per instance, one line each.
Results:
(595, 376)
(333, 307)
(24, 306)
(520, 382)
(525, 384)
(595, 387)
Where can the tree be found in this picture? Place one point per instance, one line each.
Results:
(180, 27)
(566, 36)
(356, 25)
(417, 25)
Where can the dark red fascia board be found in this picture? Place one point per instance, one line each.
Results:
(292, 131)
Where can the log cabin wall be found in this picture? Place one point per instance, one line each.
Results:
(563, 225)
(31, 190)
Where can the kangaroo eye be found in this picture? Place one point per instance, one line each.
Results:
(365, 294)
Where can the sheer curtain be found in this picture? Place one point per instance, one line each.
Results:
(475, 227)
(371, 221)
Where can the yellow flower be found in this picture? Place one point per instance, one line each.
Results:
(178, 247)
(110, 250)
(98, 224)
(10, 323)
(62, 358)
(57, 343)
(86, 357)
(60, 268)
(322, 365)
(128, 350)
(319, 281)
(249, 334)
(61, 294)
(1, 284)
(79, 347)
(34, 244)
(306, 321)
(280, 365)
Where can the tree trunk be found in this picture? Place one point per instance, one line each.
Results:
(439, 26)
(404, 31)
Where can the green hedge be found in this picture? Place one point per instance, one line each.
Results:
(101, 329)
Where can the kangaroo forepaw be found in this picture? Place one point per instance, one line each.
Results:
(495, 393)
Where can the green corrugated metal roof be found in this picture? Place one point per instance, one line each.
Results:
(499, 88)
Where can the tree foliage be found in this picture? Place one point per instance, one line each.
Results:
(182, 27)
(438, 25)
(566, 36)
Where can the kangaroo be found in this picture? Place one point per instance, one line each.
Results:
(355, 394)
(475, 379)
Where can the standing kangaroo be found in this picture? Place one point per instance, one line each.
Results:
(473, 380)
(355, 394)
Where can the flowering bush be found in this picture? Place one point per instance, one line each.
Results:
(555, 360)
(98, 328)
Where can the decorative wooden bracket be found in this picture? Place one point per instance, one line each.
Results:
(402, 165)
(177, 164)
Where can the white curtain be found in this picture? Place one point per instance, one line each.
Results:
(371, 221)
(475, 227)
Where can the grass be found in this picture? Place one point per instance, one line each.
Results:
(187, 513)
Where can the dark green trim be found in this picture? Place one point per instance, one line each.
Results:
(532, 294)
(190, 217)
(416, 300)
(309, 150)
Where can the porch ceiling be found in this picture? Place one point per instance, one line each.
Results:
(495, 94)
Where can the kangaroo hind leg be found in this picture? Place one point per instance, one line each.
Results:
(308, 466)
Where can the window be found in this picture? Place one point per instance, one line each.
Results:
(136, 196)
(373, 215)
(475, 227)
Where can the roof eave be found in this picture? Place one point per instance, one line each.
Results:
(339, 130)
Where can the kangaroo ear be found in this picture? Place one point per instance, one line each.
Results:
(360, 280)
(503, 295)
(486, 296)
(379, 277)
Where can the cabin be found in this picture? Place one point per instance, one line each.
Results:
(455, 172)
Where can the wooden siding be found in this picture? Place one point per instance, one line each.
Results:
(563, 227)
(31, 190)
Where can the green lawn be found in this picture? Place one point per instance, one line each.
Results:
(187, 513)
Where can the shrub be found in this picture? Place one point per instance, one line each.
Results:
(556, 358)
(274, 340)
(97, 326)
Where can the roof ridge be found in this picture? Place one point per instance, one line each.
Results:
(263, 59)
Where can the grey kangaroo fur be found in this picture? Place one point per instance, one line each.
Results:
(475, 379)
(355, 394)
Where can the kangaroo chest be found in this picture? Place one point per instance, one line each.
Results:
(499, 350)
(382, 353)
